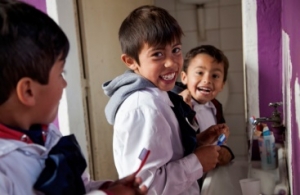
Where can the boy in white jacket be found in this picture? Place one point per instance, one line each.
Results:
(144, 113)
(34, 157)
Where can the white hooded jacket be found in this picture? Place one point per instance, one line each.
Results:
(21, 164)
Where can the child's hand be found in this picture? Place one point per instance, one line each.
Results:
(211, 135)
(127, 186)
(224, 156)
(187, 98)
(207, 156)
(225, 130)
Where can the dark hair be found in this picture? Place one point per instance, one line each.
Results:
(30, 43)
(214, 52)
(147, 24)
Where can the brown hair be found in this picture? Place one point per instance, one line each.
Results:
(214, 52)
(30, 43)
(147, 24)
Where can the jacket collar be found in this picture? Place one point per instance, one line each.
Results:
(9, 133)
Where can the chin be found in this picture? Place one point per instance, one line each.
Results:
(202, 101)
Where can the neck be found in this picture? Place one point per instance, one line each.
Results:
(14, 115)
(199, 102)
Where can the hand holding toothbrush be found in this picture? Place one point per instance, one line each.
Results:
(129, 185)
(225, 153)
(208, 156)
(211, 135)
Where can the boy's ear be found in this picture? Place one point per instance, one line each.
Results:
(129, 61)
(183, 78)
(25, 91)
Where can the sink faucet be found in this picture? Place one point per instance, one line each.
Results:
(275, 118)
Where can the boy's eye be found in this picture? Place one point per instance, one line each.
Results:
(157, 54)
(176, 50)
(216, 76)
(199, 73)
(63, 73)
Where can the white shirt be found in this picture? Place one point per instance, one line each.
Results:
(205, 114)
(146, 120)
(21, 164)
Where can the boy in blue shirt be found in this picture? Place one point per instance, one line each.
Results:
(145, 115)
(34, 157)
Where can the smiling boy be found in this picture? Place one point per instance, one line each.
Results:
(204, 75)
(140, 107)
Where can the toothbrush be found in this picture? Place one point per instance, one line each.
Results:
(143, 157)
(221, 139)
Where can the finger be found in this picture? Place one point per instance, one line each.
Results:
(137, 182)
(142, 190)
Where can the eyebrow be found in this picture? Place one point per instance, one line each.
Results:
(159, 47)
(215, 69)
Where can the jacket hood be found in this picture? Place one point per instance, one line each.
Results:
(119, 89)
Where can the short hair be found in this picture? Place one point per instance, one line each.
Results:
(30, 43)
(148, 24)
(214, 52)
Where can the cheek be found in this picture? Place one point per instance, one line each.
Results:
(194, 81)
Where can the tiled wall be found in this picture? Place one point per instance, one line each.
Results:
(223, 29)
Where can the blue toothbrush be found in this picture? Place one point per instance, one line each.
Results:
(221, 139)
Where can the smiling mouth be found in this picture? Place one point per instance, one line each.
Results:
(168, 77)
(204, 89)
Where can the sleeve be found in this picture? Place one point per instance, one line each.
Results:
(166, 171)
(93, 187)
(6, 186)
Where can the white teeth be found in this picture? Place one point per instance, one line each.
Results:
(204, 89)
(169, 76)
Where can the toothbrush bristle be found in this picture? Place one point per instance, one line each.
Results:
(143, 153)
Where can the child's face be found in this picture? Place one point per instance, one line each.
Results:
(160, 65)
(204, 78)
(49, 95)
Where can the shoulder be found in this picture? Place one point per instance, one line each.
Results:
(149, 97)
(7, 146)
(145, 105)
(54, 130)
(178, 87)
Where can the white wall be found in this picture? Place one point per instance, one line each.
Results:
(71, 110)
(223, 29)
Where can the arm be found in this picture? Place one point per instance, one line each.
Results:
(165, 171)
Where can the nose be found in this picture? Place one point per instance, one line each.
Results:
(173, 61)
(206, 79)
(169, 62)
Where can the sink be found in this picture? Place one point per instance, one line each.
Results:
(225, 179)
(196, 1)
(272, 181)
